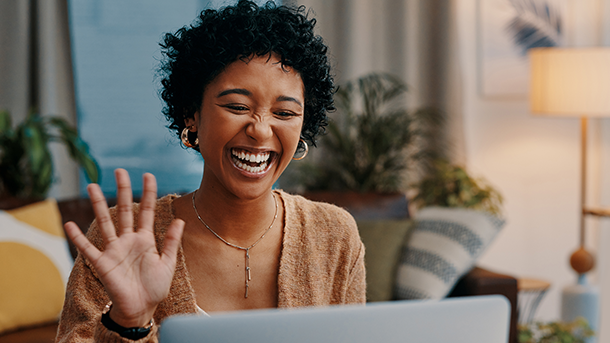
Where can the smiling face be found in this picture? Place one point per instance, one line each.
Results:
(249, 126)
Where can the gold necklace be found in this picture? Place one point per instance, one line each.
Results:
(247, 250)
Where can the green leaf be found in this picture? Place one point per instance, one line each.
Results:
(374, 142)
(34, 139)
(35, 146)
(77, 148)
(26, 166)
(453, 187)
(5, 122)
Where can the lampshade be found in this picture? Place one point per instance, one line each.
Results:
(570, 82)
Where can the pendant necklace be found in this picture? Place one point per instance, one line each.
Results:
(247, 250)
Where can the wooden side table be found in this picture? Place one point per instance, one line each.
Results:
(531, 292)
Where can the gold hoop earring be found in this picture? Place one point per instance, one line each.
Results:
(305, 153)
(184, 136)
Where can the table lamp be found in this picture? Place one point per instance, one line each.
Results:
(574, 82)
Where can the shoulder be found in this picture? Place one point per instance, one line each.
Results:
(307, 210)
(321, 221)
(306, 206)
(164, 210)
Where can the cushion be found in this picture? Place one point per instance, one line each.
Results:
(36, 263)
(383, 240)
(444, 245)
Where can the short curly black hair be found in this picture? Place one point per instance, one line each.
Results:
(196, 54)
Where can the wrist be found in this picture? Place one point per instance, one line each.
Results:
(128, 320)
(128, 329)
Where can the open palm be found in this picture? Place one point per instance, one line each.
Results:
(135, 275)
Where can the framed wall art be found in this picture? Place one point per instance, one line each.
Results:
(506, 30)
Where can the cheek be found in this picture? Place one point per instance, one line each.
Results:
(299, 129)
(213, 126)
(293, 135)
(210, 135)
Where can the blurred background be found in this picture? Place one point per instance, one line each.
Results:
(96, 65)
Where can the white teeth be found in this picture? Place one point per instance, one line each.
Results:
(252, 169)
(240, 157)
(254, 158)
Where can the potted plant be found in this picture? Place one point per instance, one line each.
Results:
(370, 148)
(451, 186)
(577, 331)
(26, 167)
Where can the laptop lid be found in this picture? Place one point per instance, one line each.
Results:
(470, 319)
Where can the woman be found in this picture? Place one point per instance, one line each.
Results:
(246, 86)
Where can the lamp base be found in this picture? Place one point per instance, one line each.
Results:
(581, 300)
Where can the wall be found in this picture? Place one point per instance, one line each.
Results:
(535, 163)
(603, 256)
(35, 74)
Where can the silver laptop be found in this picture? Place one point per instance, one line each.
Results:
(482, 319)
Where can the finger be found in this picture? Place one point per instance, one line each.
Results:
(173, 237)
(100, 207)
(81, 242)
(148, 203)
(124, 201)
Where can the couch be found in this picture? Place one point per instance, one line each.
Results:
(476, 282)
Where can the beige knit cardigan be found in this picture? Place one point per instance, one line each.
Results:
(321, 263)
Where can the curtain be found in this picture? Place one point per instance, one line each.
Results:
(36, 72)
(412, 39)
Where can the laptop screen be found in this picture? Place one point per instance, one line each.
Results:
(470, 319)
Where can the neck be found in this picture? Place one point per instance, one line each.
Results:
(239, 221)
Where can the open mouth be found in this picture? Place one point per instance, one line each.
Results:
(251, 162)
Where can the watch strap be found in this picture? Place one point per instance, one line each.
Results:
(133, 333)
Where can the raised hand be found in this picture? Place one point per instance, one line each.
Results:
(136, 277)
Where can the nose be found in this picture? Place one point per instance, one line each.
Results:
(259, 129)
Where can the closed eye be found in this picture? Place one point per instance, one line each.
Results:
(236, 108)
(287, 114)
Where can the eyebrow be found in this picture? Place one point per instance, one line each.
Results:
(234, 91)
(246, 92)
(288, 98)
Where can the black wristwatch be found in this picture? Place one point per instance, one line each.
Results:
(134, 333)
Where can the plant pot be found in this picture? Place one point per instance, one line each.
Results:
(366, 206)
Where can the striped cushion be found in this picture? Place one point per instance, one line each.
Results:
(445, 245)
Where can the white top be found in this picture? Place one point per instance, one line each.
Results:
(201, 312)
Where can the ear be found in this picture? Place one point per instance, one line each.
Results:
(191, 123)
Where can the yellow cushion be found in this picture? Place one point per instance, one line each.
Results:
(35, 266)
(42, 215)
